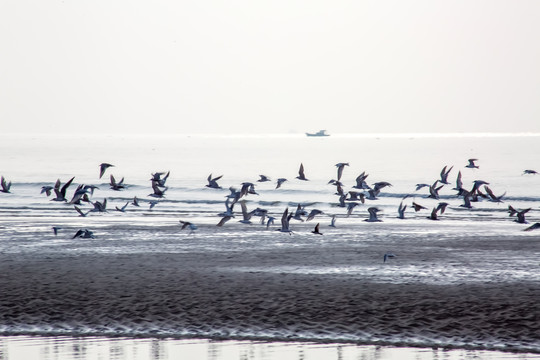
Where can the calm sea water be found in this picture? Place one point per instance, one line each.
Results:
(30, 162)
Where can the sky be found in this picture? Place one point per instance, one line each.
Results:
(234, 67)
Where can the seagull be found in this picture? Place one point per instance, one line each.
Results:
(247, 188)
(401, 210)
(434, 190)
(380, 185)
(333, 221)
(433, 215)
(388, 256)
(285, 222)
(61, 192)
(533, 227)
(361, 181)
(224, 220)
(100, 206)
(477, 184)
(459, 184)
(350, 208)
(135, 201)
(372, 194)
(102, 168)
(116, 185)
(300, 211)
(270, 221)
(123, 208)
(246, 216)
(316, 230)
(313, 213)
(471, 164)
(47, 189)
(263, 178)
(152, 203)
(418, 207)
(444, 175)
(529, 172)
(521, 216)
(84, 233)
(5, 185)
(158, 193)
(466, 200)
(279, 182)
(340, 167)
(373, 215)
(339, 188)
(228, 208)
(56, 229)
(212, 182)
(79, 195)
(442, 206)
(492, 197)
(185, 224)
(90, 188)
(81, 213)
(301, 175)
(356, 196)
(421, 186)
(158, 179)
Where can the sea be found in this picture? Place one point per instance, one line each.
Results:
(400, 161)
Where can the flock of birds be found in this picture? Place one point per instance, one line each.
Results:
(360, 193)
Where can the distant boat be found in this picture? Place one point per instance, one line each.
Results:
(318, 133)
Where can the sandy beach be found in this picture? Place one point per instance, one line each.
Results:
(217, 295)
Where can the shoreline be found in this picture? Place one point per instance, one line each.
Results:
(201, 295)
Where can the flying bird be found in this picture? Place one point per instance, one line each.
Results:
(340, 167)
(285, 222)
(246, 216)
(61, 191)
(263, 178)
(316, 230)
(84, 233)
(123, 208)
(117, 186)
(373, 215)
(5, 185)
(333, 221)
(529, 172)
(279, 182)
(212, 182)
(472, 164)
(158, 193)
(418, 207)
(186, 224)
(224, 220)
(81, 213)
(533, 227)
(313, 213)
(401, 210)
(444, 175)
(301, 175)
(102, 168)
(388, 256)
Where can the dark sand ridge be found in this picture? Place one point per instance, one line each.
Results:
(203, 294)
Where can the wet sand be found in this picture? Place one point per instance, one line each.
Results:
(205, 294)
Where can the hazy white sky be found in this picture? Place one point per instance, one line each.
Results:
(269, 66)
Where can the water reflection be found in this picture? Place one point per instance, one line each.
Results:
(89, 348)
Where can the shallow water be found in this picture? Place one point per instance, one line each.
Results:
(501, 252)
(89, 348)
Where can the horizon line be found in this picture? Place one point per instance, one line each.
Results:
(289, 134)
